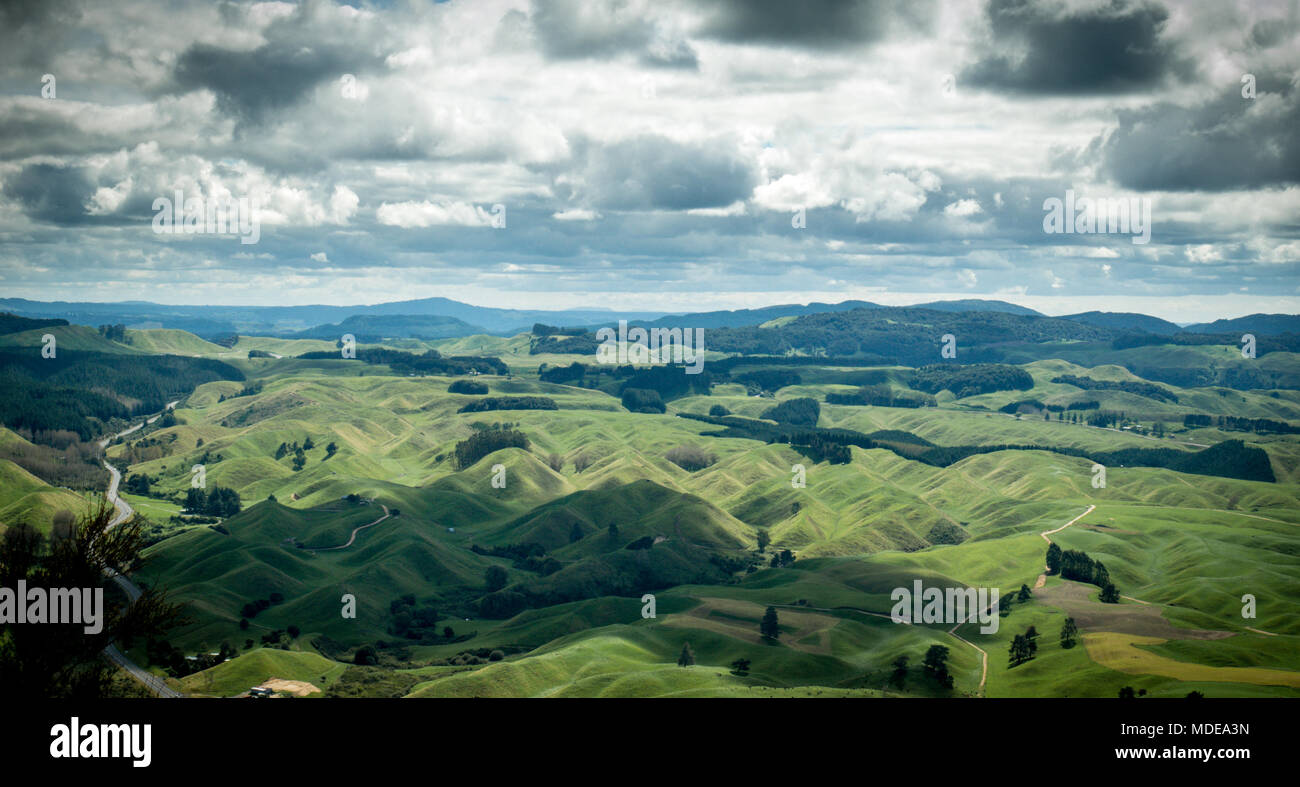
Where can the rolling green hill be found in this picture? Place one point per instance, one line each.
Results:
(26, 498)
(594, 513)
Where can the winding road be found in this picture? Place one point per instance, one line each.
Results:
(355, 530)
(152, 682)
(1042, 579)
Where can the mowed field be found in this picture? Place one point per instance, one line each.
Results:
(1183, 549)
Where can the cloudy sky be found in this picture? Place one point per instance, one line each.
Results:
(654, 154)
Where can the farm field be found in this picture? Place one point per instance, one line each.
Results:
(566, 617)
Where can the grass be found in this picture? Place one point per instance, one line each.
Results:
(26, 498)
(255, 666)
(1124, 653)
(1189, 545)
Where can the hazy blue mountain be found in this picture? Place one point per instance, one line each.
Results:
(977, 305)
(373, 327)
(207, 320)
(1263, 324)
(740, 318)
(1125, 321)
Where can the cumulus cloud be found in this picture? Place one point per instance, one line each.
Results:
(1231, 142)
(619, 131)
(429, 214)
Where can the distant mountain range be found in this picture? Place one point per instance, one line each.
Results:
(1126, 321)
(209, 321)
(438, 318)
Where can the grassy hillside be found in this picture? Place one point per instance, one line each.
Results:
(67, 337)
(1183, 549)
(26, 498)
(256, 666)
(173, 342)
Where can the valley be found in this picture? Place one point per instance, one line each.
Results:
(521, 570)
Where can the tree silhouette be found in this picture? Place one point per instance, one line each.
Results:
(58, 661)
(1021, 650)
(1053, 558)
(1068, 633)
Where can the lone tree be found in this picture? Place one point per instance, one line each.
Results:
(899, 676)
(1109, 594)
(1024, 594)
(770, 628)
(1021, 650)
(1126, 693)
(936, 665)
(740, 667)
(1068, 633)
(763, 540)
(1053, 559)
(62, 661)
(687, 657)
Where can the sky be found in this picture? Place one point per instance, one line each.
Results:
(668, 155)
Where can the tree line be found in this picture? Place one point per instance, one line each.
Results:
(970, 380)
(1149, 390)
(431, 362)
(509, 403)
(1232, 423)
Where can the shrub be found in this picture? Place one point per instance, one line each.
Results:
(690, 458)
(641, 400)
(471, 387)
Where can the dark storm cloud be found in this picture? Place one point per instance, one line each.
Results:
(573, 30)
(31, 31)
(27, 132)
(47, 192)
(1230, 143)
(1110, 49)
(813, 23)
(271, 77)
(1268, 33)
(656, 173)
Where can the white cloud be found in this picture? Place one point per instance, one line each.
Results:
(429, 214)
(576, 214)
(964, 207)
(736, 208)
